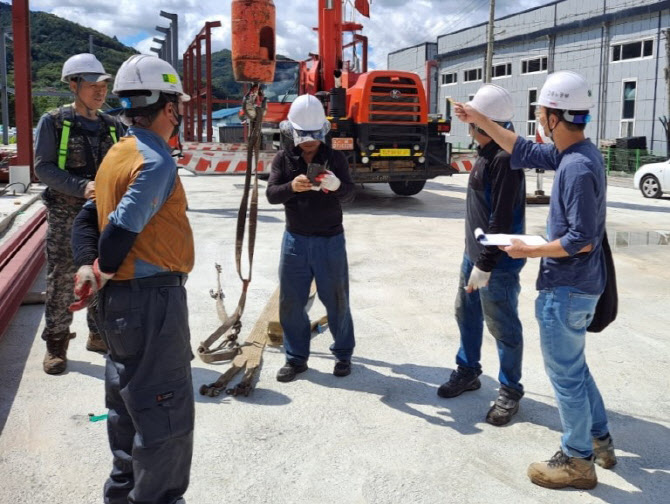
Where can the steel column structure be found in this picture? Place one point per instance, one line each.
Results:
(22, 84)
(193, 127)
(174, 30)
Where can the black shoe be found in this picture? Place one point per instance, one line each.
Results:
(289, 371)
(461, 380)
(342, 368)
(504, 407)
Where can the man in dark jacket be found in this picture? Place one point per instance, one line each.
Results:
(311, 179)
(489, 285)
(70, 143)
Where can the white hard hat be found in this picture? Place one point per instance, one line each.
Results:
(142, 72)
(494, 102)
(85, 66)
(565, 90)
(306, 113)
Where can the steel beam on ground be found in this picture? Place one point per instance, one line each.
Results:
(21, 259)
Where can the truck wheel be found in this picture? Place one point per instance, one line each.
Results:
(407, 187)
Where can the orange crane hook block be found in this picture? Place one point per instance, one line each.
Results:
(253, 27)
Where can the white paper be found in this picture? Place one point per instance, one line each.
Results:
(504, 240)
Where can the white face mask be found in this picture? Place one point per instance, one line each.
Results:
(545, 138)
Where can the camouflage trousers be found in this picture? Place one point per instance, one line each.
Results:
(61, 211)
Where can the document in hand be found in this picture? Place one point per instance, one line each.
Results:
(504, 240)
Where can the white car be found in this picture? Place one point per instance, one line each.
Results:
(653, 179)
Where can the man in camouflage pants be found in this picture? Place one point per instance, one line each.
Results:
(70, 143)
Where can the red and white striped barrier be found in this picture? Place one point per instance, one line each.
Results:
(224, 161)
(463, 162)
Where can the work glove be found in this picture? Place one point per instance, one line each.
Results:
(478, 279)
(328, 181)
(87, 282)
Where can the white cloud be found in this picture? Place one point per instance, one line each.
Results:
(393, 24)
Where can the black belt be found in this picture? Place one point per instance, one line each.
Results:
(161, 280)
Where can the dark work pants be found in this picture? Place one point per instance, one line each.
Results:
(148, 390)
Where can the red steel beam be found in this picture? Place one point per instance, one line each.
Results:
(23, 259)
(19, 237)
(208, 77)
(22, 84)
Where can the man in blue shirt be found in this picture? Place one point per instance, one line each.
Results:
(572, 271)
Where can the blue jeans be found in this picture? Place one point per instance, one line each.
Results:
(496, 303)
(323, 258)
(563, 314)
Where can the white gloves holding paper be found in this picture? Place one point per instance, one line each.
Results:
(477, 280)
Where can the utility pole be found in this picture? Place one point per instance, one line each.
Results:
(90, 43)
(489, 45)
(3, 83)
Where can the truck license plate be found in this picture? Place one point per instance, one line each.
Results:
(394, 152)
(342, 143)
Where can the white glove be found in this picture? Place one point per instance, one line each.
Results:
(87, 282)
(478, 279)
(329, 181)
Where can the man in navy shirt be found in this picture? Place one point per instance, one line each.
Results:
(572, 271)
(489, 285)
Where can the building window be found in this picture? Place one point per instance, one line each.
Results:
(531, 120)
(502, 70)
(449, 78)
(534, 65)
(474, 74)
(633, 50)
(628, 97)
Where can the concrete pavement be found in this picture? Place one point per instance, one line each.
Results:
(380, 435)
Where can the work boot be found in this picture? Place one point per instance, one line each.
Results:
(55, 360)
(95, 343)
(289, 371)
(461, 380)
(342, 368)
(504, 407)
(564, 471)
(603, 450)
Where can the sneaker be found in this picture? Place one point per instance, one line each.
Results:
(342, 368)
(603, 450)
(55, 359)
(461, 380)
(95, 343)
(504, 407)
(564, 471)
(289, 371)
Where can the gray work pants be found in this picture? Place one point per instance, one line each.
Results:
(148, 389)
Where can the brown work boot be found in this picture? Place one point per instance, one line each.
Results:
(603, 450)
(55, 360)
(564, 471)
(95, 343)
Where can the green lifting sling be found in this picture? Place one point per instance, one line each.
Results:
(65, 137)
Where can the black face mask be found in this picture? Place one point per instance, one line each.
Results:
(178, 117)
